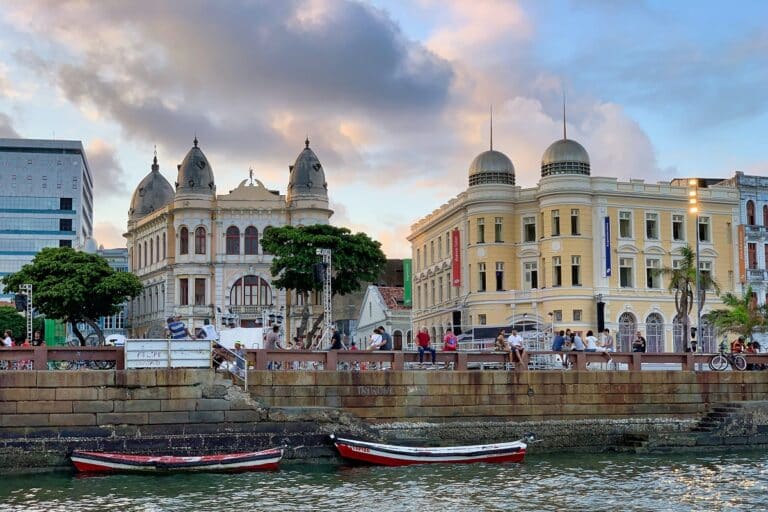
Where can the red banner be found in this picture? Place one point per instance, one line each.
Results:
(456, 257)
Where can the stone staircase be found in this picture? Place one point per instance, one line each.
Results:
(717, 417)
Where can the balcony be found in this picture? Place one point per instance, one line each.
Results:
(250, 311)
(754, 232)
(755, 275)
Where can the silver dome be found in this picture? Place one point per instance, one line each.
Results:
(565, 156)
(307, 176)
(195, 174)
(153, 193)
(491, 167)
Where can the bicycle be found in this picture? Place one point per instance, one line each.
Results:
(720, 362)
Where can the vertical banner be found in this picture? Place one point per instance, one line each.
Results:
(456, 257)
(607, 235)
(407, 280)
(742, 263)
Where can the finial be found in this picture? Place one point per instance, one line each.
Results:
(306, 142)
(564, 133)
(155, 167)
(491, 127)
(250, 173)
(154, 160)
(195, 141)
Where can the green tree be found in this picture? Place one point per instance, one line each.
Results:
(13, 320)
(742, 317)
(75, 287)
(356, 258)
(682, 282)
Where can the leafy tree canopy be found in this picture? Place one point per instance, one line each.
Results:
(11, 319)
(742, 317)
(74, 286)
(355, 257)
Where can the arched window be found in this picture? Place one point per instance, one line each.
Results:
(654, 333)
(397, 340)
(750, 213)
(264, 233)
(627, 330)
(157, 248)
(765, 215)
(200, 240)
(250, 291)
(164, 256)
(151, 252)
(233, 240)
(251, 240)
(184, 240)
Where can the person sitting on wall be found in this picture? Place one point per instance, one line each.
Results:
(450, 343)
(176, 328)
(515, 342)
(336, 339)
(638, 344)
(422, 339)
(386, 343)
(737, 345)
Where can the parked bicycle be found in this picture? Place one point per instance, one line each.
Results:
(720, 362)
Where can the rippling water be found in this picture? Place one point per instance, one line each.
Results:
(736, 481)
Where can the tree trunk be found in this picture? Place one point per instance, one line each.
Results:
(317, 323)
(95, 326)
(77, 332)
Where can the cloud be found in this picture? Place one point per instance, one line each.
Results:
(109, 235)
(107, 171)
(6, 127)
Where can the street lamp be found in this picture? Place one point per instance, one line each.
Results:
(693, 205)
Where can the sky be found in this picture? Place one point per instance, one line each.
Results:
(394, 95)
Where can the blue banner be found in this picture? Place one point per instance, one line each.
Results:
(607, 235)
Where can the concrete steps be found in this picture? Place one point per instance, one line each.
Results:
(717, 417)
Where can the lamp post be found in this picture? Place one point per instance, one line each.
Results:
(693, 202)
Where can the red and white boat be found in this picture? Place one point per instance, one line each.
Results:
(394, 455)
(97, 462)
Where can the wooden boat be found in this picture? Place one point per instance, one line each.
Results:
(97, 462)
(394, 455)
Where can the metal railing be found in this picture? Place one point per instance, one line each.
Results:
(45, 358)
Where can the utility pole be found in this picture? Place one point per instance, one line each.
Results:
(327, 295)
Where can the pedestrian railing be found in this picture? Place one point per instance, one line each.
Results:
(54, 358)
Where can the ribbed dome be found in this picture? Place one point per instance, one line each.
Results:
(153, 193)
(565, 156)
(195, 174)
(491, 167)
(307, 176)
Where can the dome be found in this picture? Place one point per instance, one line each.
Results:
(565, 156)
(195, 175)
(153, 193)
(307, 176)
(491, 167)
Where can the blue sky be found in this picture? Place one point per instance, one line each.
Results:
(394, 95)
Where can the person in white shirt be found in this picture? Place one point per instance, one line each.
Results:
(7, 339)
(377, 340)
(592, 347)
(515, 342)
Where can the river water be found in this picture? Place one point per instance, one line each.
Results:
(727, 481)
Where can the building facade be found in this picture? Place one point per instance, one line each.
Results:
(198, 252)
(558, 254)
(46, 198)
(383, 307)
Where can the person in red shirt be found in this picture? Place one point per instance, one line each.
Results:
(450, 342)
(423, 341)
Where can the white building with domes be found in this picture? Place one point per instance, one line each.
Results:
(576, 251)
(198, 252)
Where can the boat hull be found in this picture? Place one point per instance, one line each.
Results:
(96, 462)
(392, 455)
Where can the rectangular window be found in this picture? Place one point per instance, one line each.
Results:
(418, 258)
(200, 292)
(752, 255)
(555, 222)
(558, 315)
(678, 228)
(432, 252)
(575, 270)
(482, 319)
(497, 229)
(705, 269)
(529, 229)
(65, 224)
(704, 235)
(439, 248)
(432, 292)
(575, 229)
(481, 230)
(625, 272)
(577, 315)
(652, 274)
(184, 291)
(481, 277)
(447, 243)
(625, 224)
(65, 243)
(677, 264)
(499, 276)
(65, 203)
(530, 278)
(652, 226)
(557, 271)
(440, 289)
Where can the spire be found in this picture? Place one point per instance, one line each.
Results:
(491, 127)
(155, 167)
(306, 142)
(195, 141)
(564, 134)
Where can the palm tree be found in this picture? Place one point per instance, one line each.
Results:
(682, 281)
(743, 317)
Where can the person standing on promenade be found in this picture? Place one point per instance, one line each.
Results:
(515, 342)
(638, 345)
(422, 339)
(176, 328)
(336, 339)
(386, 343)
(558, 345)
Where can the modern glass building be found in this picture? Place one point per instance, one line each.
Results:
(46, 198)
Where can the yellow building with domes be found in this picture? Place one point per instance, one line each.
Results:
(555, 254)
